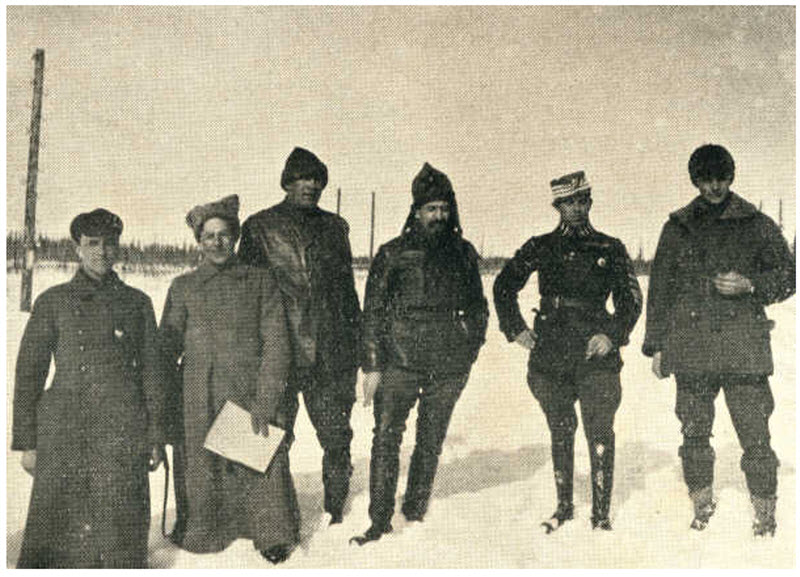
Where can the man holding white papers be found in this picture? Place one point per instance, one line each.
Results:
(225, 324)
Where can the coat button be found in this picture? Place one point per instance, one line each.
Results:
(82, 348)
(732, 313)
(80, 331)
(693, 314)
(83, 368)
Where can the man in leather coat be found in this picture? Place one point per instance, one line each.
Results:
(425, 319)
(575, 342)
(719, 262)
(308, 251)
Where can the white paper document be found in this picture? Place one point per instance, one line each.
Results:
(231, 436)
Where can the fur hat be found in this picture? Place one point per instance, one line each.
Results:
(227, 209)
(710, 161)
(430, 185)
(99, 222)
(303, 164)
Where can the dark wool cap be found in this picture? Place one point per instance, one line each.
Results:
(303, 164)
(710, 161)
(430, 185)
(99, 222)
(227, 209)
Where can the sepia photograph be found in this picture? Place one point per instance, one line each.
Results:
(401, 287)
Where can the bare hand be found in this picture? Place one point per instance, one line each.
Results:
(29, 461)
(157, 456)
(260, 424)
(732, 283)
(526, 339)
(656, 366)
(599, 345)
(369, 385)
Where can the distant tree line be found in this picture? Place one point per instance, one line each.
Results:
(155, 258)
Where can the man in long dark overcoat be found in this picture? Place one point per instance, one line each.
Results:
(89, 438)
(574, 343)
(308, 251)
(719, 262)
(226, 323)
(425, 320)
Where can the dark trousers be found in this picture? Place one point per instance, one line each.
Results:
(599, 393)
(750, 404)
(329, 401)
(397, 393)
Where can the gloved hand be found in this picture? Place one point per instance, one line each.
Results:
(29, 461)
(370, 384)
(259, 416)
(526, 339)
(599, 346)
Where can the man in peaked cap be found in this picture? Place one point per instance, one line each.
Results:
(719, 262)
(308, 250)
(575, 343)
(425, 320)
(90, 438)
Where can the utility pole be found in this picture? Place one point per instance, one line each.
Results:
(372, 227)
(30, 189)
(780, 213)
(338, 200)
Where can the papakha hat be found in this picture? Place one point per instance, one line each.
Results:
(226, 209)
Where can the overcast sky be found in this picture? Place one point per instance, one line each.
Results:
(151, 110)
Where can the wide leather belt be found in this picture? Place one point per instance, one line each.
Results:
(558, 302)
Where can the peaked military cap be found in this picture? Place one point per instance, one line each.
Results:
(569, 184)
(303, 163)
(430, 185)
(226, 209)
(99, 222)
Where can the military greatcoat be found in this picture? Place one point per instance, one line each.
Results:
(93, 429)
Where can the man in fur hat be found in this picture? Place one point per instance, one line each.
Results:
(425, 319)
(308, 251)
(574, 344)
(90, 438)
(719, 262)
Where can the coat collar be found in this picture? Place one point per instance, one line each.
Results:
(583, 231)
(208, 270)
(87, 287)
(738, 208)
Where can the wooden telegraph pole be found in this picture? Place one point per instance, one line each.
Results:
(338, 200)
(372, 227)
(30, 190)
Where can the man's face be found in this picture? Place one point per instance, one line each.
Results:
(575, 209)
(434, 216)
(98, 254)
(217, 240)
(304, 192)
(713, 189)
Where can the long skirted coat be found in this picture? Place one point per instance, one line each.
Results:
(94, 428)
(227, 327)
(697, 329)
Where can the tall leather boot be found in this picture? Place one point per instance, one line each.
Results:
(563, 452)
(336, 472)
(602, 467)
(383, 470)
(764, 524)
(420, 483)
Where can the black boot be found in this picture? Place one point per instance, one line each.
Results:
(563, 451)
(336, 472)
(372, 534)
(277, 554)
(602, 466)
(420, 484)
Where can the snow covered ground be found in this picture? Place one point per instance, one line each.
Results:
(494, 484)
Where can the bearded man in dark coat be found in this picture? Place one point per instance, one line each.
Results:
(90, 438)
(425, 320)
(719, 262)
(308, 251)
